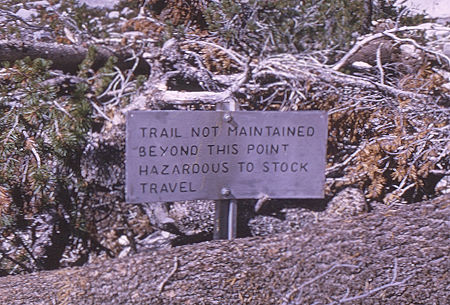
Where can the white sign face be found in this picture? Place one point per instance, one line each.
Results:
(190, 155)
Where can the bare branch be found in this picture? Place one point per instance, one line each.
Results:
(166, 279)
(241, 60)
(389, 33)
(300, 288)
(344, 163)
(14, 261)
(438, 55)
(392, 283)
(379, 64)
(183, 98)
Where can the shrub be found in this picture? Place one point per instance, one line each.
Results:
(290, 26)
(43, 131)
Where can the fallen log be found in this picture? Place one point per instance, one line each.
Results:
(66, 57)
(393, 255)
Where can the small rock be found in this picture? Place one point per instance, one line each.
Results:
(100, 3)
(193, 217)
(443, 186)
(165, 234)
(157, 240)
(123, 240)
(361, 65)
(124, 252)
(408, 50)
(126, 11)
(42, 36)
(26, 14)
(348, 202)
(287, 220)
(43, 3)
(159, 217)
(114, 15)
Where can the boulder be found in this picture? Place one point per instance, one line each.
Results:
(398, 255)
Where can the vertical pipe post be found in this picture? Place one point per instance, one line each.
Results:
(233, 205)
(232, 219)
(221, 219)
(225, 216)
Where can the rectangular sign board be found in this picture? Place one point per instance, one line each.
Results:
(190, 155)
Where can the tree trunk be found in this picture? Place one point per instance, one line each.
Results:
(393, 255)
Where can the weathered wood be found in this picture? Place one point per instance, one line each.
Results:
(65, 57)
(393, 255)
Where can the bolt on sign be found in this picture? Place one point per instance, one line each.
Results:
(190, 155)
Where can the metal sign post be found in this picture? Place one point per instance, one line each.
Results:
(225, 216)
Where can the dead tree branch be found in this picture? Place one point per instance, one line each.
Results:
(299, 290)
(390, 33)
(392, 283)
(171, 273)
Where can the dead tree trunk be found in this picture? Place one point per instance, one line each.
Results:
(393, 255)
(65, 57)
